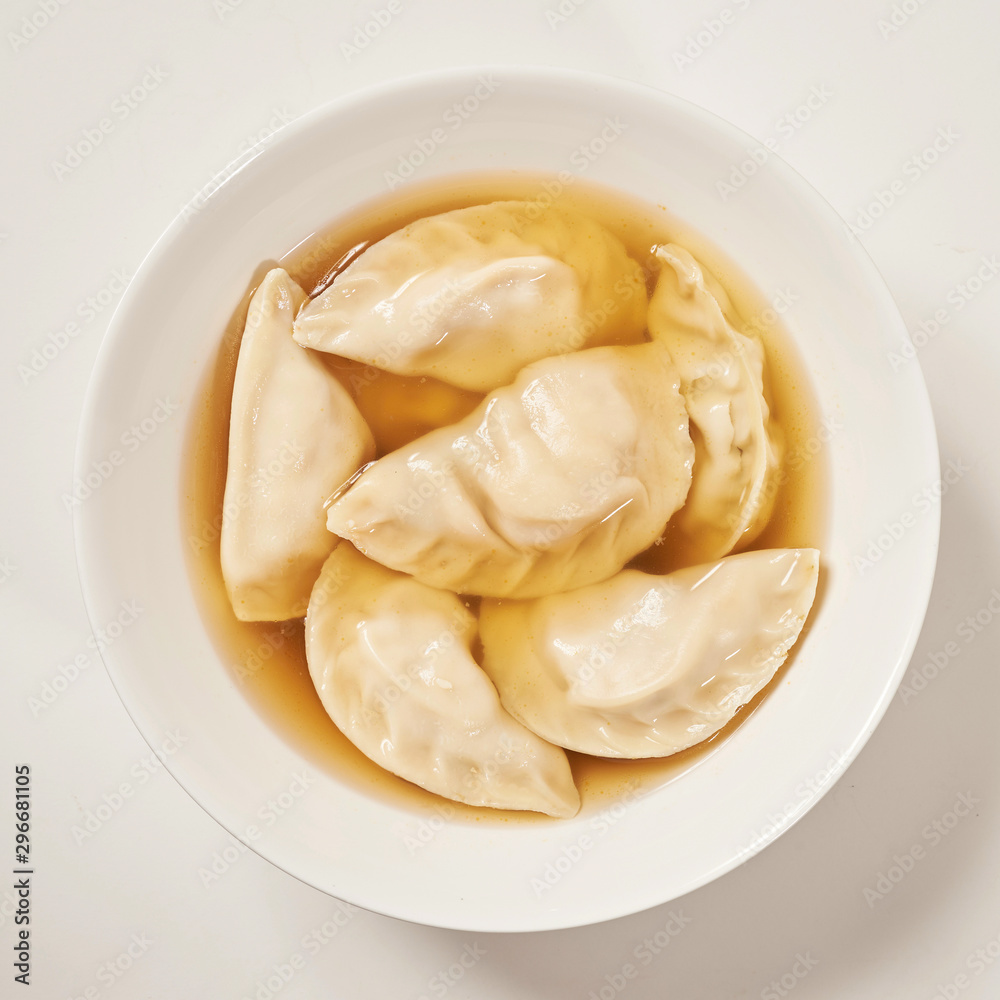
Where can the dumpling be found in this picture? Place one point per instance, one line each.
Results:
(392, 662)
(295, 436)
(473, 295)
(553, 482)
(644, 666)
(721, 371)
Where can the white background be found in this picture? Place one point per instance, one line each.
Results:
(230, 72)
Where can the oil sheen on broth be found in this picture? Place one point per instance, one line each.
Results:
(268, 659)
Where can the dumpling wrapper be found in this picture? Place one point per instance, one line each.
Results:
(553, 482)
(721, 370)
(644, 666)
(391, 660)
(295, 436)
(473, 295)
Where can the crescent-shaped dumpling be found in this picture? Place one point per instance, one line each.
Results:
(553, 482)
(295, 436)
(644, 666)
(721, 372)
(473, 295)
(391, 660)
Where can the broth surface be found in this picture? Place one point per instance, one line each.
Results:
(268, 659)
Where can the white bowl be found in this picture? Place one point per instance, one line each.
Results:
(774, 768)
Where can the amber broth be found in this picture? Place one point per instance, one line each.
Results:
(268, 659)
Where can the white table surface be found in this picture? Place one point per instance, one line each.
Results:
(123, 911)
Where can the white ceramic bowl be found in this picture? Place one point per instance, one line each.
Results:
(470, 876)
